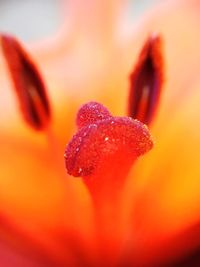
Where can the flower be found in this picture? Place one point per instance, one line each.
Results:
(46, 215)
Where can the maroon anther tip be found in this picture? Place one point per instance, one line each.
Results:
(146, 81)
(28, 83)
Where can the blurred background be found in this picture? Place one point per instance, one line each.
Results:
(31, 20)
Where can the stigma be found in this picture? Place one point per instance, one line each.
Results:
(105, 147)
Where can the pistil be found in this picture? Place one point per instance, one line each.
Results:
(102, 153)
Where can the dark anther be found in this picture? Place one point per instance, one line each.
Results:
(146, 81)
(27, 82)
